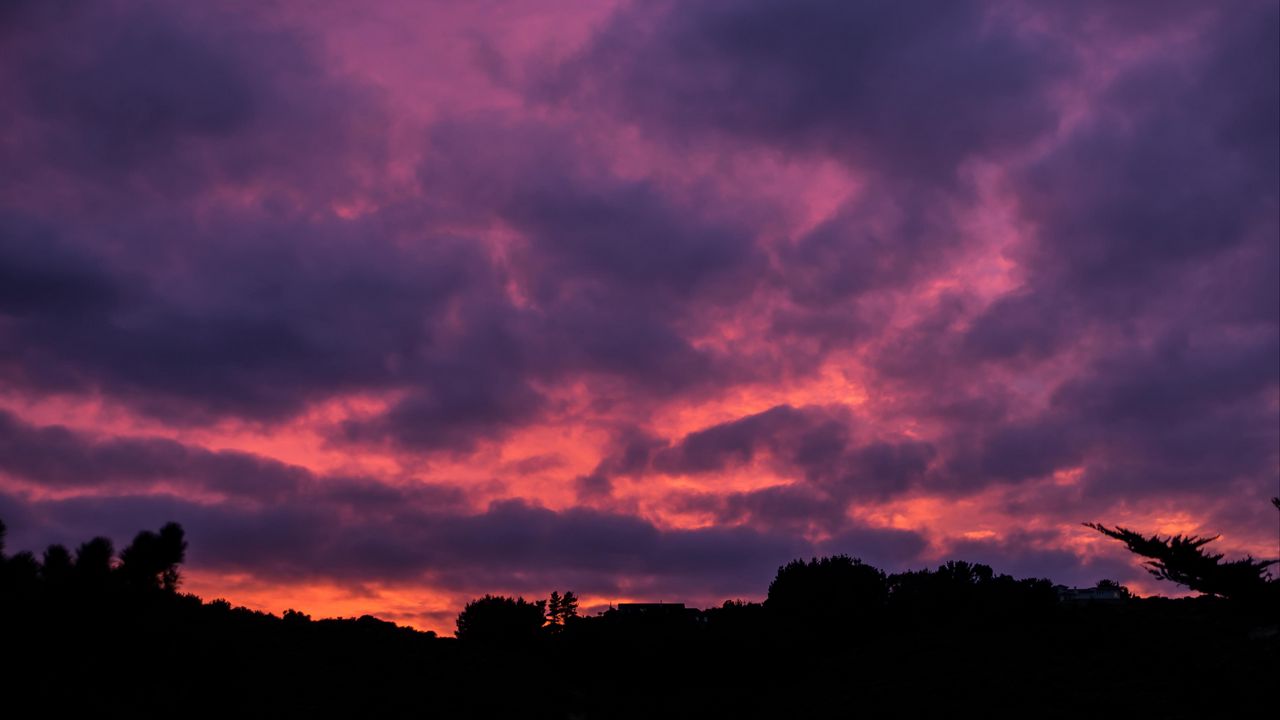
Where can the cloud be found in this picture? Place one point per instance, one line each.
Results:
(813, 443)
(280, 313)
(1017, 261)
(1141, 341)
(809, 432)
(162, 100)
(56, 458)
(512, 545)
(889, 549)
(906, 90)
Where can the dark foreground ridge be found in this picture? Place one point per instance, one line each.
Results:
(90, 632)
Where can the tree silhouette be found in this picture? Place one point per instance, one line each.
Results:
(498, 619)
(1121, 590)
(1183, 560)
(830, 591)
(93, 563)
(20, 576)
(958, 588)
(57, 569)
(151, 561)
(560, 609)
(568, 606)
(553, 610)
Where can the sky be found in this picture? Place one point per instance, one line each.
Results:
(394, 304)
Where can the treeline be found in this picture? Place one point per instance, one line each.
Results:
(829, 595)
(147, 566)
(93, 631)
(837, 595)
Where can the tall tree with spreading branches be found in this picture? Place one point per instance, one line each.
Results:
(1183, 560)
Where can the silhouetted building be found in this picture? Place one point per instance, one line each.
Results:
(651, 610)
(1093, 594)
(659, 612)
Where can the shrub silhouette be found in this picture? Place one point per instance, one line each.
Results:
(500, 620)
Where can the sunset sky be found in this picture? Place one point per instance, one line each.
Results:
(394, 304)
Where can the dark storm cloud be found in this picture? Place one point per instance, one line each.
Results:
(628, 454)
(903, 92)
(142, 86)
(1151, 283)
(911, 89)
(620, 270)
(889, 466)
(1177, 169)
(584, 223)
(253, 310)
(813, 443)
(1172, 417)
(1176, 379)
(1016, 451)
(793, 508)
(258, 318)
(611, 264)
(128, 283)
(1181, 417)
(56, 458)
(1020, 324)
(886, 548)
(165, 99)
(511, 543)
(592, 487)
(256, 312)
(630, 336)
(879, 241)
(460, 405)
(721, 446)
(40, 275)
